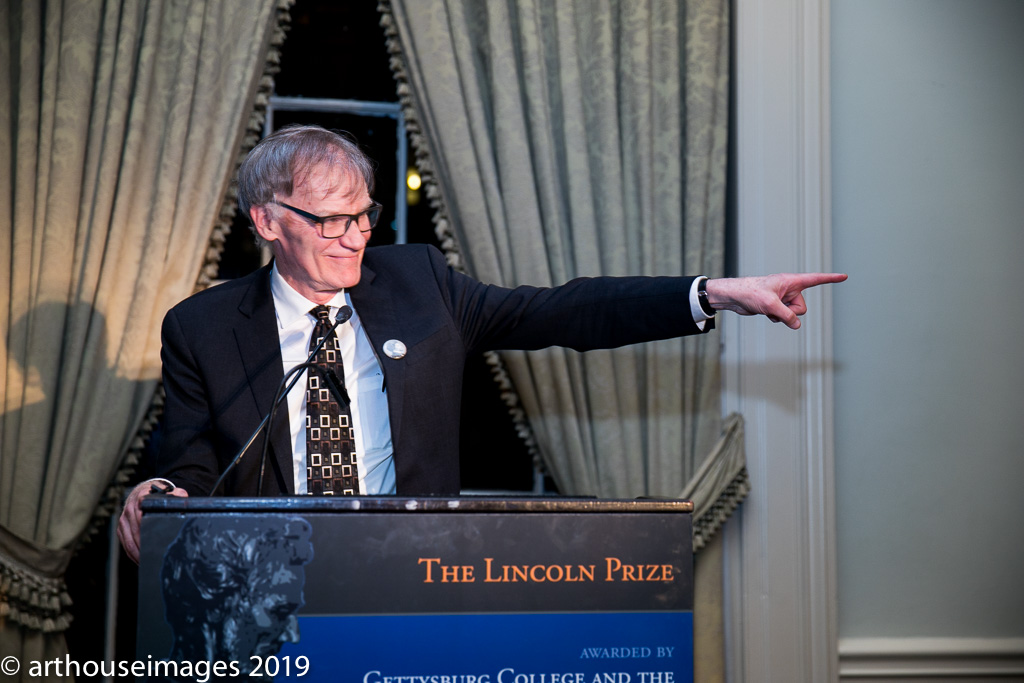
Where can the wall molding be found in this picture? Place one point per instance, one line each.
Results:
(780, 554)
(931, 660)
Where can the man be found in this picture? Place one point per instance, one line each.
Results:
(308, 192)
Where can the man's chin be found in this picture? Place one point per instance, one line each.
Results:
(347, 283)
(347, 275)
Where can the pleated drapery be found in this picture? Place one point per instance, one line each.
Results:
(568, 138)
(121, 126)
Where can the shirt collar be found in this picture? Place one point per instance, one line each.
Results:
(290, 305)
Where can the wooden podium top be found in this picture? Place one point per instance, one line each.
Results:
(470, 504)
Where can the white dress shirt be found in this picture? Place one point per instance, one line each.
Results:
(364, 381)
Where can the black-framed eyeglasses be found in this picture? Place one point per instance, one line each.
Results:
(333, 227)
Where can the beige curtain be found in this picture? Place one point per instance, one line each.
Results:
(570, 138)
(120, 125)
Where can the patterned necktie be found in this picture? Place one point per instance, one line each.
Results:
(330, 441)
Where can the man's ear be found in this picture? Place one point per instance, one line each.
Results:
(263, 222)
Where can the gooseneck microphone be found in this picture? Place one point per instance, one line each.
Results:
(328, 377)
(291, 377)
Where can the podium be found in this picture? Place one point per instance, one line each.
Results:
(417, 590)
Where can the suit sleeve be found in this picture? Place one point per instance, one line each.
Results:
(583, 314)
(187, 453)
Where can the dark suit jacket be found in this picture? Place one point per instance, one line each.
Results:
(222, 359)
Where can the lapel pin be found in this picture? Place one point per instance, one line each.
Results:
(394, 349)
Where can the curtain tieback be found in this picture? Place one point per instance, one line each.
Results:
(721, 483)
(32, 588)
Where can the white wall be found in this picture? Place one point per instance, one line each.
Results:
(927, 130)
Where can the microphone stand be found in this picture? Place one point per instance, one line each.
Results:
(344, 313)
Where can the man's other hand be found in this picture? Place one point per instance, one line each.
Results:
(131, 515)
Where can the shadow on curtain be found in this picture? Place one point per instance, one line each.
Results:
(121, 126)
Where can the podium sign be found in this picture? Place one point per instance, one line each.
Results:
(393, 590)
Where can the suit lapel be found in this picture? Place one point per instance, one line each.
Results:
(377, 313)
(260, 348)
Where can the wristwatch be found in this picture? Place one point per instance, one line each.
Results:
(702, 298)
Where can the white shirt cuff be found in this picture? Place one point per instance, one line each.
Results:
(699, 316)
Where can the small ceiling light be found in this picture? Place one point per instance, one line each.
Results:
(413, 180)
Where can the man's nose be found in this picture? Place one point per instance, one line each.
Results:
(354, 238)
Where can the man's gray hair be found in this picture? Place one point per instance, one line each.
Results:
(289, 155)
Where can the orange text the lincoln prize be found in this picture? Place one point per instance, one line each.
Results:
(612, 569)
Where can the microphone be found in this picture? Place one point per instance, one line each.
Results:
(326, 375)
(344, 313)
(336, 386)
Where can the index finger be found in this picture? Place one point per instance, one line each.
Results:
(805, 280)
